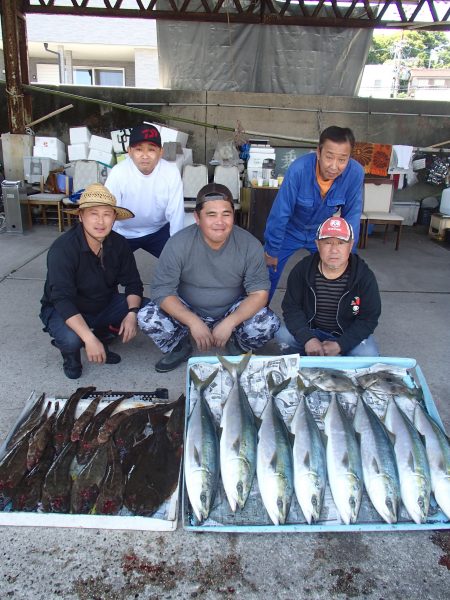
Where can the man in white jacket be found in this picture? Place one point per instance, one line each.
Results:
(152, 188)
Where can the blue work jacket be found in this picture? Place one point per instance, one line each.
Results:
(299, 208)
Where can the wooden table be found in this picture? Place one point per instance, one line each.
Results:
(45, 201)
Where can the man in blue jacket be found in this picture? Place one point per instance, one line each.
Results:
(332, 303)
(315, 187)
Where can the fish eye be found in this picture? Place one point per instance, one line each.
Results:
(203, 498)
(352, 502)
(420, 502)
(314, 501)
(239, 487)
(280, 503)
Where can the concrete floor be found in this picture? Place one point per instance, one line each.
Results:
(72, 563)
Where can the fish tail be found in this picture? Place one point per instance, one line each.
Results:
(276, 388)
(202, 384)
(239, 367)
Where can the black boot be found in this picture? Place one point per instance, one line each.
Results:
(72, 364)
(112, 358)
(175, 357)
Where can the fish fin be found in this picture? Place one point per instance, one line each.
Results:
(275, 388)
(345, 460)
(258, 422)
(202, 384)
(307, 460)
(375, 466)
(300, 383)
(197, 456)
(239, 367)
(273, 461)
(411, 463)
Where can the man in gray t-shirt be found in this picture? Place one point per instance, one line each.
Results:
(211, 282)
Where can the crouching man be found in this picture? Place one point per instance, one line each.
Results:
(332, 303)
(84, 267)
(211, 282)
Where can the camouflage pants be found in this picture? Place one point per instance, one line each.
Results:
(166, 332)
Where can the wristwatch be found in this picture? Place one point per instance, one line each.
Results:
(134, 310)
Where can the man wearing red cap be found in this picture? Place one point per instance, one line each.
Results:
(152, 188)
(332, 303)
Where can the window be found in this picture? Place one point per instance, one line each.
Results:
(99, 76)
(47, 73)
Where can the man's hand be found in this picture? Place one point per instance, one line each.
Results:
(128, 327)
(222, 333)
(271, 261)
(313, 347)
(201, 334)
(331, 348)
(95, 350)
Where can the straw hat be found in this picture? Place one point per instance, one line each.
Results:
(97, 194)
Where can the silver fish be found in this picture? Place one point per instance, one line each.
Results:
(274, 464)
(437, 447)
(310, 465)
(412, 463)
(238, 440)
(343, 462)
(378, 463)
(328, 380)
(201, 457)
(384, 382)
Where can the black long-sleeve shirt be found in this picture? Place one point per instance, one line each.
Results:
(79, 282)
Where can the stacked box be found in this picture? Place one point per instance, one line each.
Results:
(49, 147)
(79, 135)
(438, 224)
(78, 151)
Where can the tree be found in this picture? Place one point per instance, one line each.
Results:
(422, 49)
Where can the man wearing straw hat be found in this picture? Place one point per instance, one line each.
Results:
(85, 266)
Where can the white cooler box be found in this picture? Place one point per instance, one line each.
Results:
(407, 210)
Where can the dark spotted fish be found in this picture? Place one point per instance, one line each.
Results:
(58, 482)
(110, 498)
(83, 420)
(27, 494)
(38, 440)
(64, 422)
(86, 486)
(30, 421)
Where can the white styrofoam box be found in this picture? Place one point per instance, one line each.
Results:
(49, 142)
(407, 210)
(120, 139)
(87, 172)
(35, 168)
(15, 146)
(106, 158)
(78, 151)
(54, 152)
(79, 135)
(100, 143)
(188, 157)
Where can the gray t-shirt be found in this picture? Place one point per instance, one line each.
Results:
(210, 281)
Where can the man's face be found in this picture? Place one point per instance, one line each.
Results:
(216, 220)
(98, 221)
(334, 253)
(145, 156)
(333, 159)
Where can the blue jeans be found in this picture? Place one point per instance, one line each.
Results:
(284, 255)
(66, 339)
(289, 344)
(153, 242)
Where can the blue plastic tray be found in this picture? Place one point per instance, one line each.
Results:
(437, 521)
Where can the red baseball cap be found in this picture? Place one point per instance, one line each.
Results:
(145, 133)
(335, 227)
